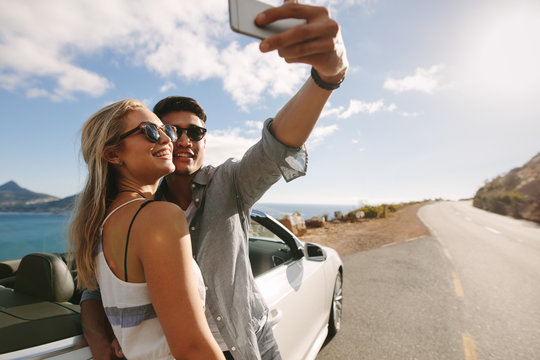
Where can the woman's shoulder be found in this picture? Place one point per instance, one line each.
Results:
(162, 205)
(161, 213)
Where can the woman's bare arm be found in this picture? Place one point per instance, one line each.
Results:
(166, 257)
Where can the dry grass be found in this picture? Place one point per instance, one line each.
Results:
(348, 238)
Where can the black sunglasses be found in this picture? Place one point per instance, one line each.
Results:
(194, 132)
(151, 131)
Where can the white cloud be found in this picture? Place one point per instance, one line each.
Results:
(254, 127)
(320, 133)
(167, 86)
(233, 143)
(248, 74)
(36, 93)
(359, 106)
(43, 45)
(255, 124)
(391, 107)
(423, 80)
(408, 115)
(224, 144)
(148, 103)
(356, 107)
(328, 110)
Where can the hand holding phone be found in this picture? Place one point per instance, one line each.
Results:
(242, 15)
(319, 44)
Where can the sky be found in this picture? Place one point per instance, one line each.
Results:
(440, 95)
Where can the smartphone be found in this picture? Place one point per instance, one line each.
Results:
(242, 15)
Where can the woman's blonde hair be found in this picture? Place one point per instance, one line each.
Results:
(100, 134)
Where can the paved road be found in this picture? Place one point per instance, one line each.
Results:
(469, 291)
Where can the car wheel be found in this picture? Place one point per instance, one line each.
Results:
(334, 323)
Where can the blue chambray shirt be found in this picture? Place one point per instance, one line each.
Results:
(224, 196)
(219, 232)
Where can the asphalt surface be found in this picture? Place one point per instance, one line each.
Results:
(469, 291)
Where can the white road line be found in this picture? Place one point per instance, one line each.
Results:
(492, 230)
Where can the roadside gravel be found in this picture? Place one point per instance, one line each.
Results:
(348, 238)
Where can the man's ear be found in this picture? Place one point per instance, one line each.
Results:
(111, 156)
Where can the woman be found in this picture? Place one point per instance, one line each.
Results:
(137, 251)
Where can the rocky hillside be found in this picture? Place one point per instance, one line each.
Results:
(12, 194)
(516, 194)
(14, 198)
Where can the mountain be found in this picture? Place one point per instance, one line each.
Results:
(516, 194)
(14, 198)
(62, 206)
(12, 194)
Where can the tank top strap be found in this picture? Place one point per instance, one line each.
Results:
(115, 209)
(127, 237)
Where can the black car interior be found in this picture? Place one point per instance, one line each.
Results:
(37, 302)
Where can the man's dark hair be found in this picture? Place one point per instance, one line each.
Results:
(179, 103)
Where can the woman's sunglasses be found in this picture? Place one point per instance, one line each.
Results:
(194, 132)
(151, 131)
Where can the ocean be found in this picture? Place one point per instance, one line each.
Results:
(21, 234)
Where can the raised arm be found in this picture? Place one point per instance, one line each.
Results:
(317, 43)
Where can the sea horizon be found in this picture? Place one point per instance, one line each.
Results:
(306, 210)
(23, 233)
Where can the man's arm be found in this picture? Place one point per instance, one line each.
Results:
(98, 332)
(317, 43)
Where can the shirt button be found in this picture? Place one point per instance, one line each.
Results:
(193, 228)
(218, 318)
(197, 200)
(233, 349)
(206, 287)
(192, 185)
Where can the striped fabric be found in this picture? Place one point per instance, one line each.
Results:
(131, 314)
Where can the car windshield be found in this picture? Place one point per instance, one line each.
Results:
(258, 231)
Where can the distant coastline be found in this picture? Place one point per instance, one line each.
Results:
(17, 200)
(29, 231)
(277, 210)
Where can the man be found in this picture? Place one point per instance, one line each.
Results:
(218, 200)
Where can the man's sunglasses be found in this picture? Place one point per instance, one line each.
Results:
(151, 131)
(194, 132)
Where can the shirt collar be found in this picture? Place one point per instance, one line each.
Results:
(203, 176)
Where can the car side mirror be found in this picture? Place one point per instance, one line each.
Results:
(315, 252)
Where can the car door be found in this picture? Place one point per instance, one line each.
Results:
(292, 286)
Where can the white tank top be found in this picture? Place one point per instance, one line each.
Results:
(130, 311)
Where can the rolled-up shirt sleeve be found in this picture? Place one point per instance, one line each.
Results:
(292, 162)
(265, 163)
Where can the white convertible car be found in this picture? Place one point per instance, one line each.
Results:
(301, 282)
